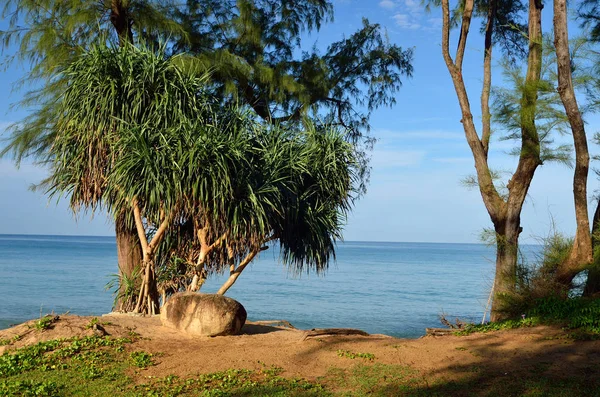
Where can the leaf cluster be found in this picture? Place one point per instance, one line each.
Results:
(135, 127)
(251, 45)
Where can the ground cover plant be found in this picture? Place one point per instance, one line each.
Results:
(580, 316)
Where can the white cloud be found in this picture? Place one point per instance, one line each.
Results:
(405, 21)
(387, 4)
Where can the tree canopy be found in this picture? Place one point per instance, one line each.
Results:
(145, 137)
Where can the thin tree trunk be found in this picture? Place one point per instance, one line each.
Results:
(235, 274)
(581, 253)
(592, 285)
(148, 298)
(129, 258)
(505, 214)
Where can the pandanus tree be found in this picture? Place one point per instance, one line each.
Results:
(239, 186)
(250, 47)
(109, 90)
(136, 128)
(48, 35)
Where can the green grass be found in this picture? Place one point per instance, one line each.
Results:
(579, 316)
(351, 355)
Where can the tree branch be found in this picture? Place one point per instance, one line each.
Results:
(158, 236)
(139, 224)
(487, 78)
(464, 33)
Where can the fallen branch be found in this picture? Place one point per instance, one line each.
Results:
(439, 331)
(283, 323)
(333, 331)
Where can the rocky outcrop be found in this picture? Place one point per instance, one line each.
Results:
(203, 314)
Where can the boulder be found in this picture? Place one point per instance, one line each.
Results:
(203, 314)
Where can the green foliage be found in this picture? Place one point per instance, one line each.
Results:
(51, 355)
(92, 322)
(141, 359)
(251, 47)
(498, 326)
(536, 280)
(45, 322)
(28, 388)
(576, 314)
(110, 91)
(589, 13)
(352, 355)
(9, 341)
(50, 34)
(124, 289)
(550, 118)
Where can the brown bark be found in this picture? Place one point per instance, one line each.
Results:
(235, 272)
(505, 214)
(129, 258)
(581, 253)
(148, 298)
(121, 21)
(592, 285)
(486, 116)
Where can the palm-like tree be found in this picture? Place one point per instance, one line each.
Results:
(49, 35)
(138, 135)
(112, 90)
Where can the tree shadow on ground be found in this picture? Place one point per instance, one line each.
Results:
(482, 365)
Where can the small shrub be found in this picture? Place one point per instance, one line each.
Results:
(29, 388)
(9, 341)
(351, 355)
(141, 359)
(92, 322)
(45, 322)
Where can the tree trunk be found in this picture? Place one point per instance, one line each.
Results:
(505, 214)
(129, 257)
(148, 298)
(507, 252)
(119, 17)
(592, 285)
(581, 253)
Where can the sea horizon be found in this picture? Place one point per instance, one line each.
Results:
(393, 288)
(340, 241)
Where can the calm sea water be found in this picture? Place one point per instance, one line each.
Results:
(392, 288)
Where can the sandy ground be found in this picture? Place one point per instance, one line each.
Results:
(499, 354)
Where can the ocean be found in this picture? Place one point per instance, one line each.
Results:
(397, 289)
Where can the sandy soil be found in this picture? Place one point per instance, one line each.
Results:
(498, 354)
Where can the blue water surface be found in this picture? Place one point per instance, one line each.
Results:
(397, 289)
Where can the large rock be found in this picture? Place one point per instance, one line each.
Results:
(203, 314)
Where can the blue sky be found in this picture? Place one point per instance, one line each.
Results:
(418, 163)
